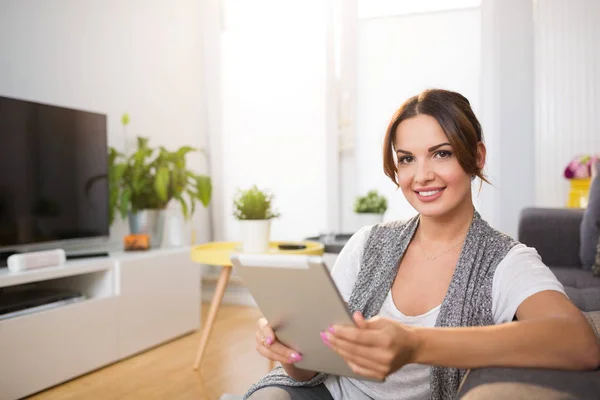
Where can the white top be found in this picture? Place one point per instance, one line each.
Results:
(519, 275)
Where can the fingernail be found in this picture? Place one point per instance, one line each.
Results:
(331, 329)
(295, 357)
(324, 339)
(269, 340)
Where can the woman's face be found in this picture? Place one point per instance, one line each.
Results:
(429, 174)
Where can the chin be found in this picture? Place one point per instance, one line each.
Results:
(431, 210)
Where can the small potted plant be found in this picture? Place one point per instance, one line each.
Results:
(143, 183)
(253, 208)
(370, 208)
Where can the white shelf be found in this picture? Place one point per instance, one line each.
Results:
(134, 301)
(71, 268)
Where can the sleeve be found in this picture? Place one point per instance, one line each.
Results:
(347, 265)
(519, 275)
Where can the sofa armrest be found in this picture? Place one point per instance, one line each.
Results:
(533, 383)
(529, 383)
(554, 232)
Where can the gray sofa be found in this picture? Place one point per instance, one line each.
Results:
(555, 234)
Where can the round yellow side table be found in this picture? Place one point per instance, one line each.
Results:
(219, 253)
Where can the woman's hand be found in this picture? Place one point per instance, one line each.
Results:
(268, 346)
(374, 348)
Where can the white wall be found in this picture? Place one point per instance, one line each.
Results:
(143, 57)
(275, 125)
(443, 51)
(567, 69)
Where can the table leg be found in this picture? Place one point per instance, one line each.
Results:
(212, 313)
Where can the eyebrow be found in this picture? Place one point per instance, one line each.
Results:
(432, 148)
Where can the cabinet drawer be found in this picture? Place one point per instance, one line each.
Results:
(49, 347)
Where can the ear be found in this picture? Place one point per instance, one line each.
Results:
(481, 154)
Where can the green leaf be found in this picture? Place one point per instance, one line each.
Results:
(161, 183)
(253, 204)
(181, 153)
(184, 206)
(151, 177)
(142, 142)
(124, 202)
(125, 119)
(204, 188)
(193, 196)
(371, 203)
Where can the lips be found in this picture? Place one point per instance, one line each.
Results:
(429, 194)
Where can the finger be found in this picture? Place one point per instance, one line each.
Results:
(291, 356)
(366, 372)
(376, 323)
(284, 354)
(363, 355)
(354, 335)
(359, 320)
(267, 334)
(365, 361)
(267, 353)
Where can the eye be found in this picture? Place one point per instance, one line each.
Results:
(443, 154)
(405, 159)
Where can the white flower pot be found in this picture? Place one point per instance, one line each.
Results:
(255, 235)
(367, 219)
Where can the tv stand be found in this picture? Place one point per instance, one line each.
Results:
(87, 255)
(133, 301)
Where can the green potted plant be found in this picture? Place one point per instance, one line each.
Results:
(143, 183)
(370, 208)
(253, 208)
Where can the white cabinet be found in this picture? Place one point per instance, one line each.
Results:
(159, 300)
(134, 301)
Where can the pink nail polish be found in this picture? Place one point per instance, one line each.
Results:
(331, 329)
(324, 339)
(295, 357)
(269, 341)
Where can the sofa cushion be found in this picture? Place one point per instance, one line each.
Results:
(554, 233)
(586, 299)
(596, 267)
(589, 231)
(581, 286)
(575, 277)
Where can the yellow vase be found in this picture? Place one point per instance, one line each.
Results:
(579, 193)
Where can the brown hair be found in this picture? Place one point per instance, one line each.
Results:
(454, 114)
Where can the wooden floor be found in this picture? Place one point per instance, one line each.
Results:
(231, 365)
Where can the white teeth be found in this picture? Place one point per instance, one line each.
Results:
(430, 193)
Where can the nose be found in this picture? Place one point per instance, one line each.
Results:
(424, 173)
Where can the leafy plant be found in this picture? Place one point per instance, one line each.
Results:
(253, 204)
(150, 178)
(372, 203)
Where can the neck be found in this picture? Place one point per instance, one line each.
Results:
(448, 228)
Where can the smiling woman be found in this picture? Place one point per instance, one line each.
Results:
(433, 149)
(440, 293)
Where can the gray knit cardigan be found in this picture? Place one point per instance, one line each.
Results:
(468, 301)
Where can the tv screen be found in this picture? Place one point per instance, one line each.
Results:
(47, 156)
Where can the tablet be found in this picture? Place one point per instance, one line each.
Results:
(298, 297)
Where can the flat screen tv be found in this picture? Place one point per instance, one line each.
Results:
(47, 156)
